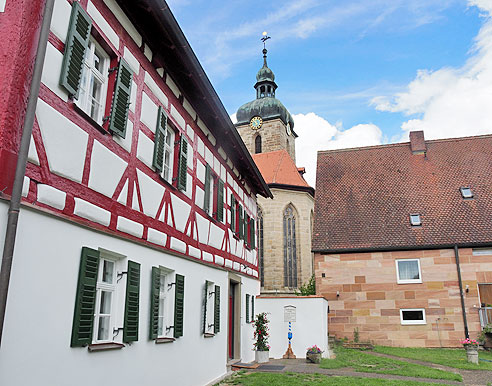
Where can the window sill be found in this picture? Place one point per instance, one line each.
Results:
(208, 335)
(164, 340)
(89, 119)
(105, 346)
(409, 282)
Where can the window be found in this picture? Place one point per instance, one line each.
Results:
(163, 158)
(98, 315)
(412, 316)
(213, 202)
(167, 166)
(481, 251)
(408, 271)
(84, 75)
(260, 247)
(211, 309)
(105, 300)
(94, 82)
(290, 248)
(415, 220)
(258, 144)
(166, 305)
(466, 192)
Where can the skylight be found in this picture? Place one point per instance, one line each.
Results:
(466, 192)
(415, 219)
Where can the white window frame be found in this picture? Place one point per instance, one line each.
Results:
(167, 168)
(482, 251)
(114, 288)
(408, 281)
(209, 312)
(84, 102)
(211, 204)
(412, 322)
(166, 297)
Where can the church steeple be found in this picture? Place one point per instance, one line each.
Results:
(265, 78)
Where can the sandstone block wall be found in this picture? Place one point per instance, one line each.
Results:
(273, 212)
(370, 298)
(273, 137)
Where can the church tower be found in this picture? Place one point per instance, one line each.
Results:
(284, 222)
(264, 123)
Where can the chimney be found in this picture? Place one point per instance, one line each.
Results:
(417, 142)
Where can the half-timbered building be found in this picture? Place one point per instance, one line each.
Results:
(135, 259)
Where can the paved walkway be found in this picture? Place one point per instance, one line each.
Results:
(470, 377)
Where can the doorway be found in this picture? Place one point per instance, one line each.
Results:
(234, 320)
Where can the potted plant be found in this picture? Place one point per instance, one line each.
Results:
(471, 347)
(313, 354)
(261, 335)
(486, 336)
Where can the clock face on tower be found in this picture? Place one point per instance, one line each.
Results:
(255, 122)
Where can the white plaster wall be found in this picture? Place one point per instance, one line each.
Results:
(251, 287)
(310, 328)
(4, 208)
(40, 310)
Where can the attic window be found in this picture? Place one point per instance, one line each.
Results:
(466, 192)
(415, 219)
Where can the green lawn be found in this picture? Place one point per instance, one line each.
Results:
(292, 379)
(366, 363)
(447, 357)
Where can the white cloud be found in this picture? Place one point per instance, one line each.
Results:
(316, 133)
(450, 102)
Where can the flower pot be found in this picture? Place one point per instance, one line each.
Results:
(313, 357)
(262, 356)
(472, 354)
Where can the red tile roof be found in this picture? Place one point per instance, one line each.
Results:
(277, 167)
(365, 196)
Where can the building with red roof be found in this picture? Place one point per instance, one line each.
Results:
(403, 240)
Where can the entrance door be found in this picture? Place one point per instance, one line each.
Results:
(232, 290)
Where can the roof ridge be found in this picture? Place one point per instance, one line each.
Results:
(467, 138)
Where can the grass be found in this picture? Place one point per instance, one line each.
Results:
(366, 363)
(293, 379)
(447, 357)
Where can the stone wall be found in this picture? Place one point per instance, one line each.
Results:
(273, 211)
(370, 298)
(273, 137)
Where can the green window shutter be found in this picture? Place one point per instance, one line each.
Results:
(252, 231)
(217, 310)
(179, 306)
(252, 308)
(121, 100)
(233, 213)
(247, 308)
(205, 297)
(208, 175)
(85, 299)
(154, 302)
(159, 140)
(130, 331)
(220, 200)
(77, 42)
(183, 160)
(241, 222)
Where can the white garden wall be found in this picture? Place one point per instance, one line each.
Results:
(36, 342)
(310, 327)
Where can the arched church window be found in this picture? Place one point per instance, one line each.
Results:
(258, 144)
(290, 248)
(261, 264)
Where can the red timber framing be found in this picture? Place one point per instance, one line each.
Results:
(232, 253)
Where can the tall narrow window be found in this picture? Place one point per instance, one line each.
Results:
(258, 144)
(290, 248)
(93, 85)
(260, 247)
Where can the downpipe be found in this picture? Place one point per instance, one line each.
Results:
(463, 310)
(20, 169)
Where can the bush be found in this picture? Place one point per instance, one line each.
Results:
(308, 288)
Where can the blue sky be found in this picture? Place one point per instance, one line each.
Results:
(356, 72)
